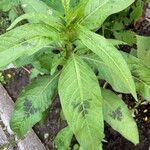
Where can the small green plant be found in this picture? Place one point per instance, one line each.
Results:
(139, 64)
(117, 24)
(2, 79)
(12, 7)
(59, 40)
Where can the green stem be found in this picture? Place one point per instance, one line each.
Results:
(69, 49)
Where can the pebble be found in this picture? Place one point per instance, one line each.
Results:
(46, 135)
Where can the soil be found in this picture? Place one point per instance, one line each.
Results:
(17, 79)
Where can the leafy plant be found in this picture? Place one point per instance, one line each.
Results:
(2, 79)
(138, 62)
(120, 26)
(61, 42)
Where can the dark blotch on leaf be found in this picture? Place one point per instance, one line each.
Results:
(24, 43)
(29, 109)
(117, 114)
(82, 107)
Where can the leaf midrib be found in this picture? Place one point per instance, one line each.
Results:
(78, 78)
(81, 92)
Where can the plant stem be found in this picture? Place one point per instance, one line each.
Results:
(69, 49)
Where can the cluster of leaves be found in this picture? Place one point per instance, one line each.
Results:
(59, 41)
(138, 62)
(10, 6)
(2, 79)
(120, 26)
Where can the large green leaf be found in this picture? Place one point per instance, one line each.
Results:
(74, 3)
(117, 115)
(36, 6)
(63, 139)
(34, 100)
(19, 42)
(143, 89)
(53, 22)
(39, 6)
(81, 102)
(75, 14)
(110, 56)
(55, 4)
(66, 5)
(140, 73)
(143, 52)
(21, 34)
(127, 36)
(98, 10)
(5, 5)
(105, 72)
(25, 48)
(42, 60)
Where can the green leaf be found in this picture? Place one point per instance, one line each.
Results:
(55, 5)
(22, 61)
(116, 42)
(140, 73)
(143, 51)
(105, 72)
(127, 36)
(143, 89)
(25, 48)
(57, 60)
(76, 13)
(117, 115)
(137, 11)
(45, 60)
(13, 14)
(63, 139)
(34, 100)
(5, 5)
(98, 10)
(81, 102)
(66, 5)
(34, 74)
(19, 42)
(21, 34)
(53, 22)
(36, 6)
(41, 60)
(74, 3)
(110, 56)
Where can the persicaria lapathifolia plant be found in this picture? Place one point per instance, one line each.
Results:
(59, 38)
